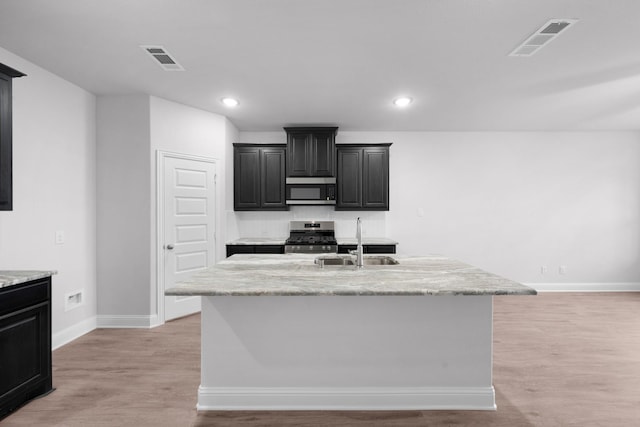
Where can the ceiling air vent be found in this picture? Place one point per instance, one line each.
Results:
(542, 37)
(163, 58)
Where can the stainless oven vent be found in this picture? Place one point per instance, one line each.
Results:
(164, 59)
(542, 37)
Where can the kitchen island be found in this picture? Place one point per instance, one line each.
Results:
(279, 332)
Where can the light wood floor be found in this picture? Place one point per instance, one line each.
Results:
(559, 360)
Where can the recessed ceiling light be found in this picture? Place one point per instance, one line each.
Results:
(230, 102)
(402, 101)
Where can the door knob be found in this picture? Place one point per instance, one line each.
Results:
(170, 247)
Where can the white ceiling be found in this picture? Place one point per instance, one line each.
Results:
(341, 62)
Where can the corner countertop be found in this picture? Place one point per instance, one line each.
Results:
(298, 275)
(255, 241)
(15, 277)
(366, 241)
(258, 241)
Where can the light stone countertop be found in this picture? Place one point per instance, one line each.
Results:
(298, 275)
(366, 241)
(15, 277)
(258, 241)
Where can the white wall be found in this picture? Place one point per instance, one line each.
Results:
(131, 129)
(180, 129)
(124, 204)
(54, 154)
(512, 202)
(509, 202)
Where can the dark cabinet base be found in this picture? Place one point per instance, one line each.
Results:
(279, 249)
(25, 343)
(254, 249)
(368, 249)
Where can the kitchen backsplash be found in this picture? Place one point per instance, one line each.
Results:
(276, 224)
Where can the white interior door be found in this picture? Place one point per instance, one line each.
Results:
(189, 227)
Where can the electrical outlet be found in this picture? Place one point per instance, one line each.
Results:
(59, 237)
(73, 300)
(562, 269)
(543, 269)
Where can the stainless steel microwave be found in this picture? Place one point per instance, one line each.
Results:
(311, 190)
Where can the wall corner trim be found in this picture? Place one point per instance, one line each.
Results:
(127, 321)
(73, 332)
(346, 398)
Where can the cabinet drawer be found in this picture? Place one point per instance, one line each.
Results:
(24, 295)
(254, 249)
(269, 249)
(368, 249)
(239, 249)
(380, 249)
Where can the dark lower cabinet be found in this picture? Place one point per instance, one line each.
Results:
(363, 177)
(368, 249)
(25, 343)
(254, 249)
(259, 177)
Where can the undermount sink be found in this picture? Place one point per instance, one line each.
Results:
(379, 260)
(326, 261)
(341, 261)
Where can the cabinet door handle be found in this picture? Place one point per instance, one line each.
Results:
(170, 247)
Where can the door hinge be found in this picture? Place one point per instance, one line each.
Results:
(215, 178)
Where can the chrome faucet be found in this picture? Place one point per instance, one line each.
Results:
(358, 252)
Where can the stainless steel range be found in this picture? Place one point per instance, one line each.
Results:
(311, 237)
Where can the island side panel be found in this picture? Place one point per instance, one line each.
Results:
(373, 352)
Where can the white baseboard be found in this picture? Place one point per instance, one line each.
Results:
(356, 398)
(127, 321)
(71, 333)
(586, 287)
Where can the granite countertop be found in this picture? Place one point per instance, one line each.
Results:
(281, 240)
(298, 275)
(258, 241)
(15, 277)
(366, 241)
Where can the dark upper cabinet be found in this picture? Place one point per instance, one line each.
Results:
(272, 179)
(349, 180)
(311, 151)
(259, 177)
(363, 177)
(246, 178)
(6, 174)
(375, 178)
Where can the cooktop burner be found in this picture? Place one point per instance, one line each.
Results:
(311, 240)
(311, 237)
